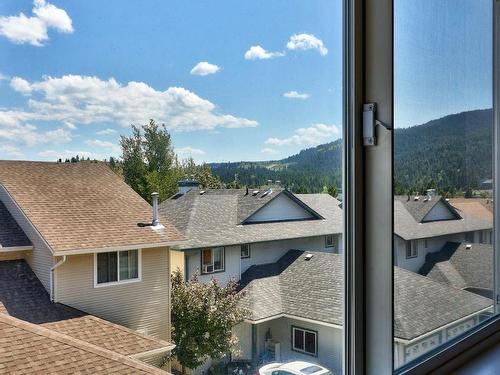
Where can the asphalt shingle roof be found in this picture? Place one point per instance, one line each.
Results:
(408, 216)
(421, 207)
(312, 289)
(27, 348)
(82, 206)
(461, 267)
(11, 235)
(23, 296)
(214, 218)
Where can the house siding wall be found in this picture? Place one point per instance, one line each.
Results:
(280, 208)
(329, 342)
(260, 253)
(13, 255)
(40, 259)
(433, 244)
(143, 306)
(439, 212)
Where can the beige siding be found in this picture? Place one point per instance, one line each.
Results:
(143, 306)
(12, 255)
(40, 259)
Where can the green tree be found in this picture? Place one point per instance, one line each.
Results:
(332, 190)
(134, 162)
(203, 316)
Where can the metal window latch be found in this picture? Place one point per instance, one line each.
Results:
(369, 123)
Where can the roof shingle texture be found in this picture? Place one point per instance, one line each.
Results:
(23, 296)
(11, 234)
(461, 267)
(408, 216)
(81, 206)
(213, 218)
(312, 289)
(26, 348)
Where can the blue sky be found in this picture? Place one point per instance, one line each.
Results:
(106, 64)
(251, 80)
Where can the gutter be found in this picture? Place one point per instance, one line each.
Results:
(54, 267)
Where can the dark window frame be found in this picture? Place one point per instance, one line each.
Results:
(304, 330)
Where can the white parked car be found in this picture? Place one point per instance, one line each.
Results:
(294, 368)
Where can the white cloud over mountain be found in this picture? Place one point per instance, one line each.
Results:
(189, 151)
(311, 136)
(204, 68)
(259, 53)
(305, 42)
(22, 29)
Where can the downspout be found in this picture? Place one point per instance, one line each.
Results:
(57, 265)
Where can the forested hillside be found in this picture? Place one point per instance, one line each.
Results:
(451, 153)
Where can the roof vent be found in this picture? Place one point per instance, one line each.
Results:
(267, 192)
(255, 192)
(155, 223)
(416, 198)
(202, 192)
(468, 246)
(308, 256)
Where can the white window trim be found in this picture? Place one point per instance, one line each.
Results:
(213, 261)
(315, 333)
(119, 282)
(333, 240)
(249, 251)
(413, 249)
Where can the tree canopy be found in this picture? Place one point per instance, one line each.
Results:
(203, 317)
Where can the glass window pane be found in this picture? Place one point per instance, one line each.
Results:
(443, 147)
(310, 342)
(298, 339)
(129, 265)
(218, 258)
(107, 267)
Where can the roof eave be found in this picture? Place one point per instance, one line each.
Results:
(170, 244)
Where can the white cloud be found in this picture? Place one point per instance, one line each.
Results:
(204, 68)
(269, 151)
(15, 129)
(11, 150)
(305, 42)
(113, 147)
(84, 100)
(70, 125)
(259, 53)
(34, 30)
(107, 131)
(295, 95)
(312, 136)
(64, 154)
(20, 85)
(189, 151)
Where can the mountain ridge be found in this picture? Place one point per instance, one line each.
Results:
(462, 142)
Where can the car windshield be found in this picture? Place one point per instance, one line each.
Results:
(311, 370)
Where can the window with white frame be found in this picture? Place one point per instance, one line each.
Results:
(117, 266)
(245, 251)
(330, 240)
(411, 249)
(212, 260)
(305, 341)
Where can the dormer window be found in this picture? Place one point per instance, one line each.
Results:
(212, 260)
(116, 267)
